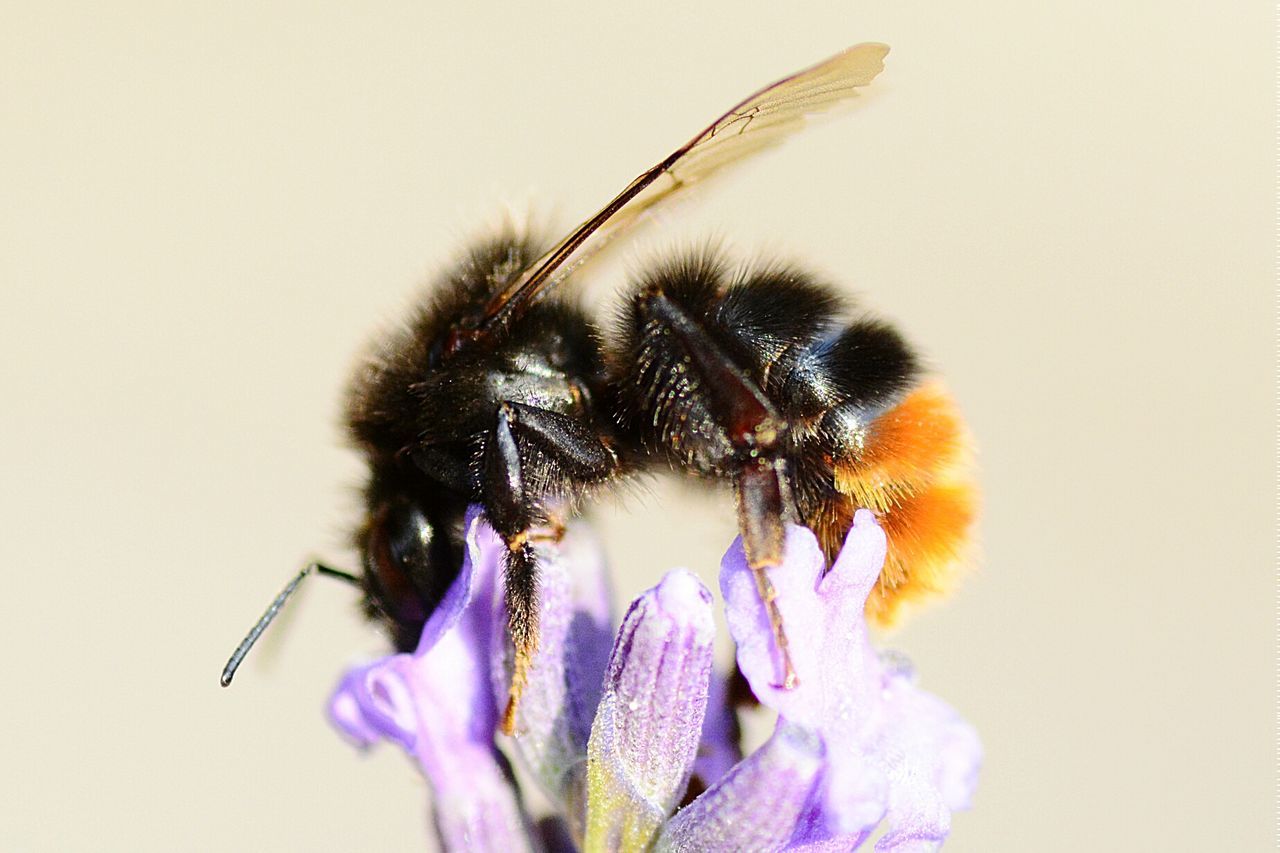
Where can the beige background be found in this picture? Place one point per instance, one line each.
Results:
(207, 212)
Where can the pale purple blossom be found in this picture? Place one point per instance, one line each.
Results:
(612, 728)
(894, 754)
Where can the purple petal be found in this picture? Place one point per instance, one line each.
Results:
(553, 721)
(346, 713)
(935, 761)
(837, 668)
(895, 753)
(757, 804)
(474, 584)
(647, 729)
(437, 705)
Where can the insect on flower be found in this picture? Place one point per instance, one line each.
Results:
(501, 393)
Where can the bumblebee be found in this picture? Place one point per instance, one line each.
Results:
(501, 392)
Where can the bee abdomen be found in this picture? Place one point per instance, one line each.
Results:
(700, 354)
(915, 471)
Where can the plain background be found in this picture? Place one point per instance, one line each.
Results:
(208, 212)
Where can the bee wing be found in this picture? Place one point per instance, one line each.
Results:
(759, 121)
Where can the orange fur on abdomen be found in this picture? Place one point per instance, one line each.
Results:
(914, 471)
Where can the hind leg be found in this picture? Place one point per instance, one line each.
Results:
(732, 432)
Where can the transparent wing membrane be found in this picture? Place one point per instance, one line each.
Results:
(759, 121)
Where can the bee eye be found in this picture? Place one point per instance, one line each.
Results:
(411, 558)
(398, 558)
(407, 538)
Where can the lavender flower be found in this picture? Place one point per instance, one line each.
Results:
(893, 752)
(649, 722)
(614, 737)
(437, 704)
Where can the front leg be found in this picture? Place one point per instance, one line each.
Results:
(569, 454)
(576, 454)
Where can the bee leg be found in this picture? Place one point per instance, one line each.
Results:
(553, 531)
(579, 454)
(742, 412)
(762, 494)
(746, 418)
(570, 452)
(508, 510)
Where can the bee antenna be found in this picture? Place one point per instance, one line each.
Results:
(229, 671)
